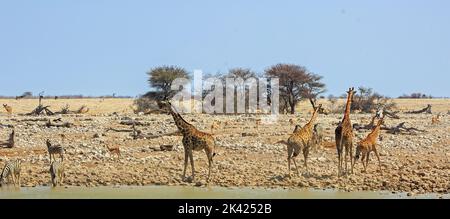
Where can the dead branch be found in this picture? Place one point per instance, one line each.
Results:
(132, 122)
(426, 110)
(63, 125)
(402, 129)
(369, 126)
(31, 120)
(391, 114)
(40, 110)
(175, 133)
(64, 110)
(6, 125)
(119, 130)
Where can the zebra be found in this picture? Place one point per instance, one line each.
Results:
(318, 136)
(11, 170)
(55, 149)
(57, 173)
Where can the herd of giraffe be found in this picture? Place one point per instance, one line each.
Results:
(302, 139)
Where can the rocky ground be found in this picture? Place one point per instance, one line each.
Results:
(248, 154)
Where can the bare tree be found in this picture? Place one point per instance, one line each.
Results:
(295, 83)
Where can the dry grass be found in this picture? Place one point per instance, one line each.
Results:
(110, 105)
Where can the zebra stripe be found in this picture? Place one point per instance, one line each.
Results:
(55, 149)
(57, 173)
(11, 169)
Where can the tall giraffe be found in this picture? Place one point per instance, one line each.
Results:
(193, 140)
(301, 139)
(368, 145)
(344, 135)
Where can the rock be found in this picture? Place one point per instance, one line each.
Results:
(166, 147)
(322, 159)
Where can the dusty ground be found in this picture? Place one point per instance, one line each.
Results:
(247, 154)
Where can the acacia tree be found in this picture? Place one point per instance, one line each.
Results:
(295, 83)
(161, 79)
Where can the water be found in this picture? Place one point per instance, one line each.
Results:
(187, 192)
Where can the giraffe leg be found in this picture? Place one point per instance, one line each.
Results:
(339, 152)
(354, 161)
(350, 156)
(293, 159)
(289, 166)
(340, 164)
(18, 178)
(378, 157)
(345, 159)
(290, 150)
(13, 179)
(305, 156)
(210, 163)
(185, 162)
(191, 157)
(363, 159)
(367, 160)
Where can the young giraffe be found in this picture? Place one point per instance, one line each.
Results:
(8, 109)
(300, 139)
(193, 140)
(368, 145)
(344, 135)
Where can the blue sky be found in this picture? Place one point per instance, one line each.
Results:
(95, 47)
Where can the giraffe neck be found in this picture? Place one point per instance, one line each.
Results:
(181, 124)
(348, 106)
(372, 122)
(377, 128)
(312, 120)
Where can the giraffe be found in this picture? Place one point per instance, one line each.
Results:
(8, 109)
(193, 140)
(301, 139)
(368, 145)
(344, 135)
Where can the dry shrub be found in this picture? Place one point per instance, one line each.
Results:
(368, 101)
(144, 104)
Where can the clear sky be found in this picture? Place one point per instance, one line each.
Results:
(95, 47)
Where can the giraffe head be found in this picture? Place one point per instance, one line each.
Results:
(48, 143)
(318, 108)
(165, 106)
(351, 91)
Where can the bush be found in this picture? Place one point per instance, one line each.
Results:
(145, 105)
(368, 101)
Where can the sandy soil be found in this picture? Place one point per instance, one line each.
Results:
(247, 153)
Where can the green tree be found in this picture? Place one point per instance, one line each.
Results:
(295, 83)
(161, 79)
